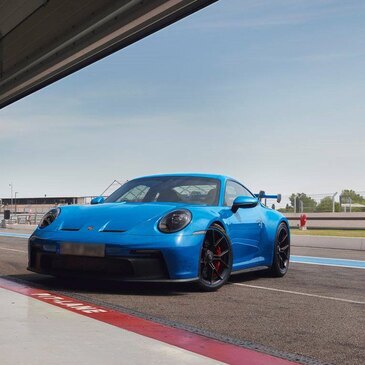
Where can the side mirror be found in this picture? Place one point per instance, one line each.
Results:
(97, 200)
(244, 202)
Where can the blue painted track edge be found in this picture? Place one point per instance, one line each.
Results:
(17, 235)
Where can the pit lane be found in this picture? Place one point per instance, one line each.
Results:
(315, 311)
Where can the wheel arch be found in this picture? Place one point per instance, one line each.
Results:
(219, 223)
(276, 270)
(272, 221)
(282, 220)
(285, 221)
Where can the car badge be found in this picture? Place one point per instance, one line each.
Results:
(90, 228)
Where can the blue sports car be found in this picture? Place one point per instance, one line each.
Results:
(177, 227)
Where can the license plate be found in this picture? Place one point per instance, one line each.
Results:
(82, 249)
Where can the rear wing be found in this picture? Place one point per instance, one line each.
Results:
(262, 195)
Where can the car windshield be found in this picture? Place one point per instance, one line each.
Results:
(176, 189)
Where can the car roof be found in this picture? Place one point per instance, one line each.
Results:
(194, 174)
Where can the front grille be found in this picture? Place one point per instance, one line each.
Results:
(86, 264)
(146, 266)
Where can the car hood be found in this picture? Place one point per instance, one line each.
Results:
(111, 217)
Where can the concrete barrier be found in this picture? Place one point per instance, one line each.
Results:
(343, 243)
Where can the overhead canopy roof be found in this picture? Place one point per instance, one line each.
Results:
(42, 41)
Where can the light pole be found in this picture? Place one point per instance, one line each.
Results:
(295, 203)
(333, 202)
(11, 195)
(301, 205)
(15, 202)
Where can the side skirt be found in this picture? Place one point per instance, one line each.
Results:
(250, 269)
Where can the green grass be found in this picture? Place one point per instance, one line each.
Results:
(329, 232)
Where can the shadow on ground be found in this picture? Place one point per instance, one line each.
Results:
(103, 286)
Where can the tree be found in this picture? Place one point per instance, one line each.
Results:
(350, 196)
(355, 198)
(287, 209)
(326, 205)
(309, 204)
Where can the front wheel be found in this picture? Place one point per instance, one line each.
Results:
(281, 252)
(215, 264)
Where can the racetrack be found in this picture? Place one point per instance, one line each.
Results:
(316, 311)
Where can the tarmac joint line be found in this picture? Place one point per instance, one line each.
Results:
(299, 293)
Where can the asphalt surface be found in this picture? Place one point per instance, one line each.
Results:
(348, 243)
(314, 311)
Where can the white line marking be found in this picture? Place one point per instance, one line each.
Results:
(299, 293)
(11, 249)
(320, 236)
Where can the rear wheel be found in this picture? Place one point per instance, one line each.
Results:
(281, 252)
(215, 260)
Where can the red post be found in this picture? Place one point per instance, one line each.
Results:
(303, 221)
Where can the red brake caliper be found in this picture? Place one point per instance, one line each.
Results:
(217, 264)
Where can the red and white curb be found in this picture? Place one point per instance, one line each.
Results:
(198, 344)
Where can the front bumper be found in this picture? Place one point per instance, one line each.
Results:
(131, 258)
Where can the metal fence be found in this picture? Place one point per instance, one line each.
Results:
(346, 201)
(26, 211)
(32, 213)
(30, 218)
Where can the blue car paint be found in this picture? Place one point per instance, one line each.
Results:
(127, 226)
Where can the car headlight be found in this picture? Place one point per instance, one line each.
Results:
(49, 217)
(175, 221)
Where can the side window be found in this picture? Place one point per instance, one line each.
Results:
(233, 190)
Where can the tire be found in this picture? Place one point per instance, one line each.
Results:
(281, 257)
(215, 262)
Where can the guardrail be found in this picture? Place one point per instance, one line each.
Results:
(330, 220)
(25, 218)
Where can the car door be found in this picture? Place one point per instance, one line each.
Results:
(244, 228)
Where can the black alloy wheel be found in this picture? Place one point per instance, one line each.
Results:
(281, 251)
(215, 259)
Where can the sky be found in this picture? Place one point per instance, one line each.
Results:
(269, 92)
